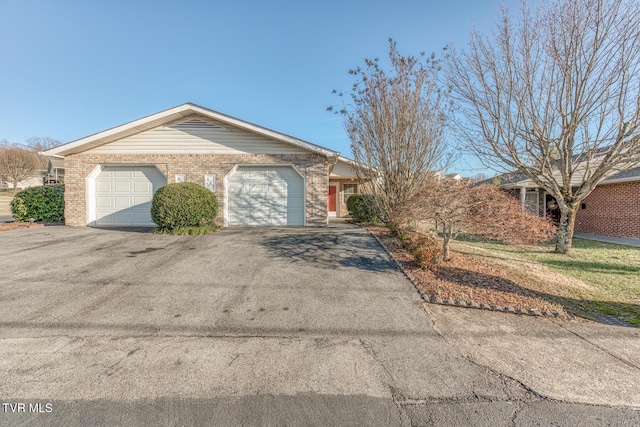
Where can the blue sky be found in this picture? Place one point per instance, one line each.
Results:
(72, 68)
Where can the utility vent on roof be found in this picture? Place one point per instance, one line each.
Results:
(193, 124)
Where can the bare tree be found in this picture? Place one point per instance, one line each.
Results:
(17, 164)
(480, 176)
(39, 144)
(555, 96)
(396, 122)
(485, 210)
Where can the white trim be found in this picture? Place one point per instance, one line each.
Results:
(334, 214)
(619, 180)
(343, 201)
(90, 183)
(171, 115)
(212, 177)
(225, 211)
(537, 204)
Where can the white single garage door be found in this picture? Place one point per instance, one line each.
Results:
(124, 193)
(265, 195)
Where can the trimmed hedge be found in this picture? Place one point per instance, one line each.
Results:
(183, 204)
(363, 208)
(40, 203)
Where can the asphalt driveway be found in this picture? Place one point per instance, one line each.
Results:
(276, 326)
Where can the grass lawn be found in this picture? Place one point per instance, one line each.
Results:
(594, 277)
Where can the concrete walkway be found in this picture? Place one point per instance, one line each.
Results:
(572, 361)
(627, 241)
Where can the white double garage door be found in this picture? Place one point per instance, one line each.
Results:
(254, 195)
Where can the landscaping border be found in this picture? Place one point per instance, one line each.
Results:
(464, 304)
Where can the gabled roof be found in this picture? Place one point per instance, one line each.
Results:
(56, 163)
(170, 115)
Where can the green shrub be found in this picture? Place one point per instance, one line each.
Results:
(364, 208)
(184, 205)
(398, 232)
(40, 203)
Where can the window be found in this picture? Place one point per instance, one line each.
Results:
(210, 181)
(181, 177)
(348, 190)
(531, 202)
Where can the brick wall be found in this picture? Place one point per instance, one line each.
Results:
(611, 210)
(313, 166)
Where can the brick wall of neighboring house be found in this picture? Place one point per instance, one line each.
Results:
(611, 210)
(313, 166)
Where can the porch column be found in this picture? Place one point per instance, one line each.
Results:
(523, 198)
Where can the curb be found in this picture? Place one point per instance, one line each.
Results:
(464, 304)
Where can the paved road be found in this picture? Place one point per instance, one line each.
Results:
(243, 327)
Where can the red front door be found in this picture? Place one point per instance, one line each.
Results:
(331, 202)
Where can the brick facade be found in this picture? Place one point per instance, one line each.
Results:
(313, 166)
(611, 210)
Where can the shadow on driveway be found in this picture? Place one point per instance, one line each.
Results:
(352, 248)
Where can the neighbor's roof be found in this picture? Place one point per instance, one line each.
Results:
(628, 175)
(170, 115)
(514, 179)
(56, 162)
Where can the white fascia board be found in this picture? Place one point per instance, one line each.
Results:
(169, 115)
(93, 140)
(619, 180)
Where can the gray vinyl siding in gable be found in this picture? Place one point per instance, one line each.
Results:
(196, 136)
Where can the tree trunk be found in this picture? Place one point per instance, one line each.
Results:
(565, 228)
(446, 237)
(15, 186)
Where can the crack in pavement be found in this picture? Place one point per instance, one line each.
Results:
(599, 347)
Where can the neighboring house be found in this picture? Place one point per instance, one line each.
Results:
(612, 208)
(34, 180)
(261, 177)
(55, 171)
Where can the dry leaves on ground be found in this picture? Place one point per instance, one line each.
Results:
(17, 225)
(468, 279)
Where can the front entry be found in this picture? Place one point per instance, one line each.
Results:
(331, 201)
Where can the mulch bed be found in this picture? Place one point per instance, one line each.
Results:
(468, 279)
(18, 225)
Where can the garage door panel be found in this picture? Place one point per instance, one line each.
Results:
(124, 194)
(121, 173)
(142, 187)
(122, 202)
(140, 200)
(265, 195)
(122, 217)
(103, 187)
(122, 187)
(104, 202)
